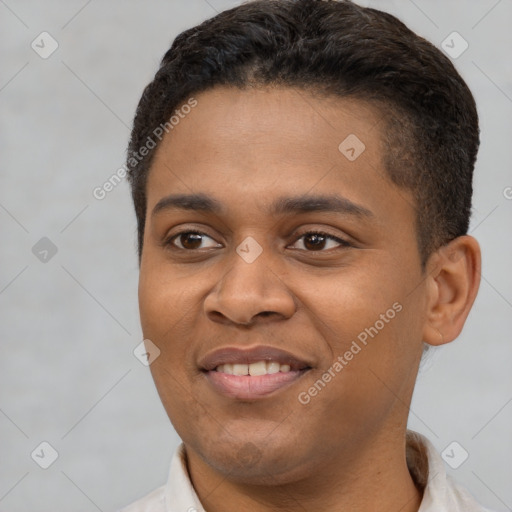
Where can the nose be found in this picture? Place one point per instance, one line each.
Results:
(249, 293)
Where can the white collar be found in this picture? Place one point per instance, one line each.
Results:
(440, 492)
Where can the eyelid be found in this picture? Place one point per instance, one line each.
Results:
(169, 240)
(341, 241)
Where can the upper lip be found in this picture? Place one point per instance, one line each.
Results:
(236, 355)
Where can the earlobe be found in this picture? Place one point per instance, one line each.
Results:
(453, 281)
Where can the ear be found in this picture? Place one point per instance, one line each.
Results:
(452, 283)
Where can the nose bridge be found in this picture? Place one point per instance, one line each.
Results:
(249, 286)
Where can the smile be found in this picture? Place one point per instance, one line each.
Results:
(254, 369)
(253, 373)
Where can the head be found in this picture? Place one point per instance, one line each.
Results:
(428, 117)
(267, 119)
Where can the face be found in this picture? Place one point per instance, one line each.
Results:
(281, 281)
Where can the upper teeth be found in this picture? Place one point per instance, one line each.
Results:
(259, 368)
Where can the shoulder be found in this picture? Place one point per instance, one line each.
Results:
(441, 493)
(458, 498)
(176, 494)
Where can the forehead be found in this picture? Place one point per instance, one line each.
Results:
(262, 118)
(245, 145)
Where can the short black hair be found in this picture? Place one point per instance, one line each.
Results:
(430, 121)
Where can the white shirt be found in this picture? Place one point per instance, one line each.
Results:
(441, 493)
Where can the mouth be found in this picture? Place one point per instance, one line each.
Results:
(252, 373)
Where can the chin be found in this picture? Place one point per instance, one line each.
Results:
(261, 462)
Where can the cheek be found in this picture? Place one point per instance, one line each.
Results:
(185, 409)
(168, 319)
(366, 382)
(372, 329)
(343, 306)
(162, 300)
(168, 316)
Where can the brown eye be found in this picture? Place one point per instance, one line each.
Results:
(314, 241)
(191, 240)
(318, 241)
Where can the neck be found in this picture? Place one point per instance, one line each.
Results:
(373, 478)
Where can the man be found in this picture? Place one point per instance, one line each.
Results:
(302, 179)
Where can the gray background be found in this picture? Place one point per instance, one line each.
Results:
(69, 325)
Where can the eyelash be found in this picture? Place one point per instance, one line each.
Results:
(343, 243)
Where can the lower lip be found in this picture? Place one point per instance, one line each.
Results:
(245, 387)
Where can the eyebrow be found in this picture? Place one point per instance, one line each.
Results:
(283, 205)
